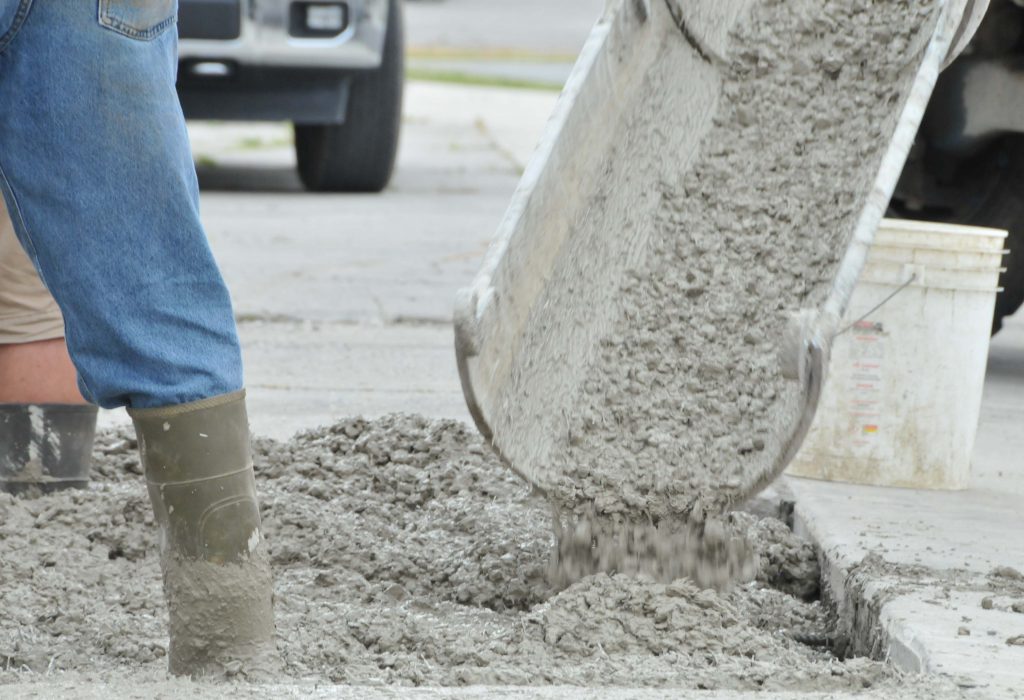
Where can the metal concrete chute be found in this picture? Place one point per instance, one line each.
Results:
(634, 113)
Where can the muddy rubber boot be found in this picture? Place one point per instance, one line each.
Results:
(45, 447)
(216, 568)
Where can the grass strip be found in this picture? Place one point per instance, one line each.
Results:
(462, 78)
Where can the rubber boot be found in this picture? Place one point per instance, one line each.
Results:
(216, 568)
(45, 447)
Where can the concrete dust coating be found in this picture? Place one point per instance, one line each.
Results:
(405, 554)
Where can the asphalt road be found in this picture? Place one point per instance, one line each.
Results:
(538, 26)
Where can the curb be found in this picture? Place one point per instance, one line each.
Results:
(920, 620)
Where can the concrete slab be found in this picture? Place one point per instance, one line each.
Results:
(931, 633)
(909, 569)
(301, 375)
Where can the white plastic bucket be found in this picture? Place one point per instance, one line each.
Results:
(901, 400)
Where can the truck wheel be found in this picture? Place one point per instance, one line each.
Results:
(1003, 207)
(986, 191)
(359, 155)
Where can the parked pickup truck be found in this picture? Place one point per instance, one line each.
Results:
(334, 69)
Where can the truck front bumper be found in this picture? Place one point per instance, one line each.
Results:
(272, 33)
(262, 93)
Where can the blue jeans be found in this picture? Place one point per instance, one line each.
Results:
(97, 173)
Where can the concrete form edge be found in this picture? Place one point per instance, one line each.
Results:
(860, 605)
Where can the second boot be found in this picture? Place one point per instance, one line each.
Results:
(45, 447)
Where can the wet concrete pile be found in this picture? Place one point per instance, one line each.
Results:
(405, 554)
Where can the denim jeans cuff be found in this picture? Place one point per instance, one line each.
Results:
(169, 411)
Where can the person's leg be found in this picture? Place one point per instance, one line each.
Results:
(34, 363)
(97, 173)
(46, 427)
(38, 372)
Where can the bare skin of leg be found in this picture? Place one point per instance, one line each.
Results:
(38, 372)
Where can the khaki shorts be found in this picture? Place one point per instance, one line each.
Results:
(27, 310)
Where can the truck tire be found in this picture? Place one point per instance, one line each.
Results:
(1003, 207)
(986, 190)
(359, 155)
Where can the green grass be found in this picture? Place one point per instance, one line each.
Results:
(484, 55)
(250, 143)
(459, 78)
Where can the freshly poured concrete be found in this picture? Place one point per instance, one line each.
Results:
(405, 554)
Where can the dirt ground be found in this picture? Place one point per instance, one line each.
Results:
(406, 555)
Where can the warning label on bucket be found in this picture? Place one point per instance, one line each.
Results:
(867, 358)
